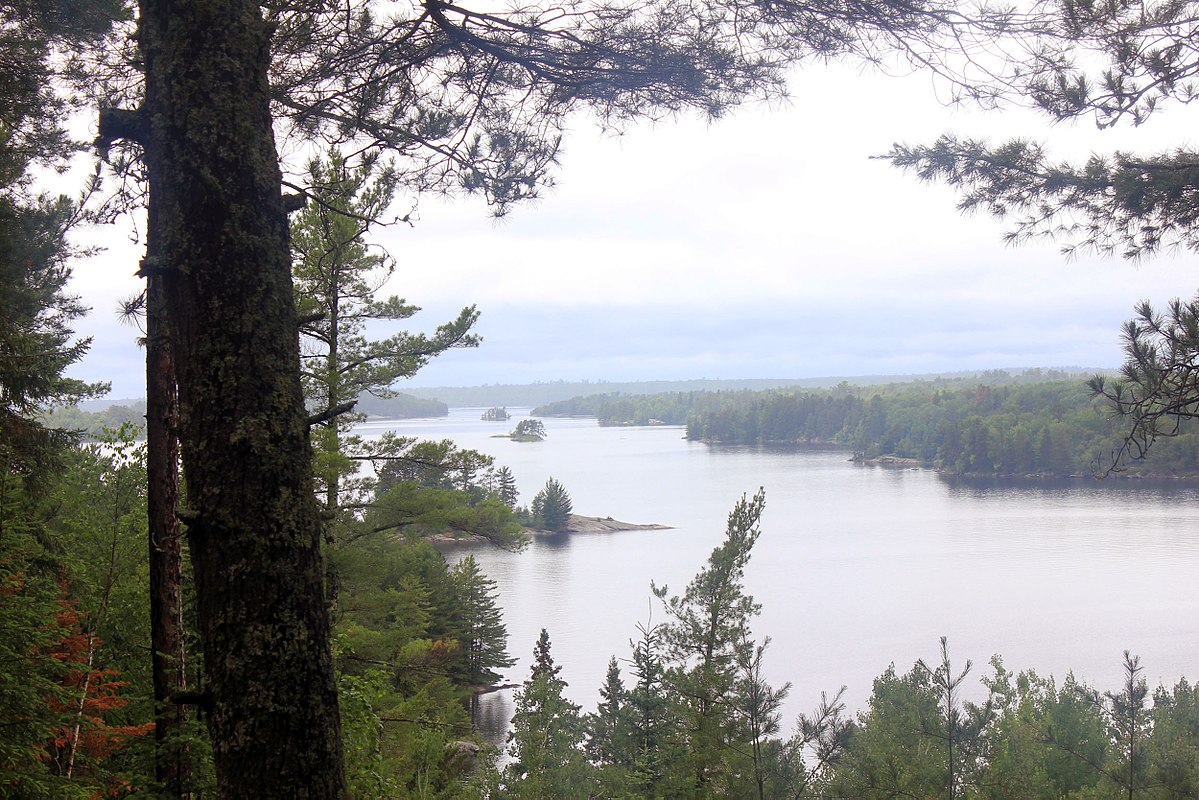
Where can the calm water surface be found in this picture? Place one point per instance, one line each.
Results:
(857, 567)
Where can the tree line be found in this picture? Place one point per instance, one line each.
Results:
(1028, 424)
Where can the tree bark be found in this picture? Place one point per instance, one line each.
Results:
(168, 658)
(252, 523)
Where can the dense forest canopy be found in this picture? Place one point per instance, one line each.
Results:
(1026, 424)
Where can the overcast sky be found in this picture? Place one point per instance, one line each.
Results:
(765, 245)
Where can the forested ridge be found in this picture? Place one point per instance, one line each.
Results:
(1025, 424)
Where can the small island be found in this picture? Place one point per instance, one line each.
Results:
(527, 430)
(496, 414)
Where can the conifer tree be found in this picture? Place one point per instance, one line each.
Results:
(758, 705)
(479, 624)
(506, 486)
(705, 639)
(552, 506)
(546, 740)
(958, 725)
(337, 275)
(610, 734)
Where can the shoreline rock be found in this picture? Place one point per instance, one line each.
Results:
(582, 524)
(577, 524)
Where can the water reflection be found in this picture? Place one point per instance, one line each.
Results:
(1142, 489)
(492, 713)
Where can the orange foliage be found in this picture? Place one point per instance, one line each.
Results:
(91, 691)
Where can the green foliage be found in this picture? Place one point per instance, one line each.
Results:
(552, 507)
(890, 754)
(358, 697)
(546, 740)
(657, 761)
(1129, 724)
(433, 488)
(1115, 62)
(624, 409)
(546, 394)
(415, 639)
(1037, 424)
(29, 675)
(478, 624)
(505, 487)
(610, 735)
(336, 276)
(700, 721)
(37, 345)
(706, 642)
(1030, 739)
(757, 704)
(93, 423)
(1041, 429)
(1174, 743)
(1044, 742)
(74, 676)
(1156, 393)
(496, 414)
(528, 430)
(400, 406)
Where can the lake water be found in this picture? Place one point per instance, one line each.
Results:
(857, 566)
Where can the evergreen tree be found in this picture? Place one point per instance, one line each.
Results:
(430, 487)
(506, 487)
(889, 754)
(480, 624)
(337, 274)
(546, 740)
(610, 735)
(608, 729)
(1117, 63)
(1044, 741)
(36, 341)
(552, 506)
(960, 726)
(1174, 746)
(1129, 727)
(758, 705)
(917, 737)
(30, 676)
(707, 636)
(42, 43)
(658, 753)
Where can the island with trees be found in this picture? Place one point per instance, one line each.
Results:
(527, 430)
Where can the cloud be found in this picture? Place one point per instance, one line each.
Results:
(764, 245)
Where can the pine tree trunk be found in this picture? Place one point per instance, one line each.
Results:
(252, 521)
(168, 658)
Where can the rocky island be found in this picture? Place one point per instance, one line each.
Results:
(580, 524)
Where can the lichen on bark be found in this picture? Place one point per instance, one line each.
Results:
(253, 527)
